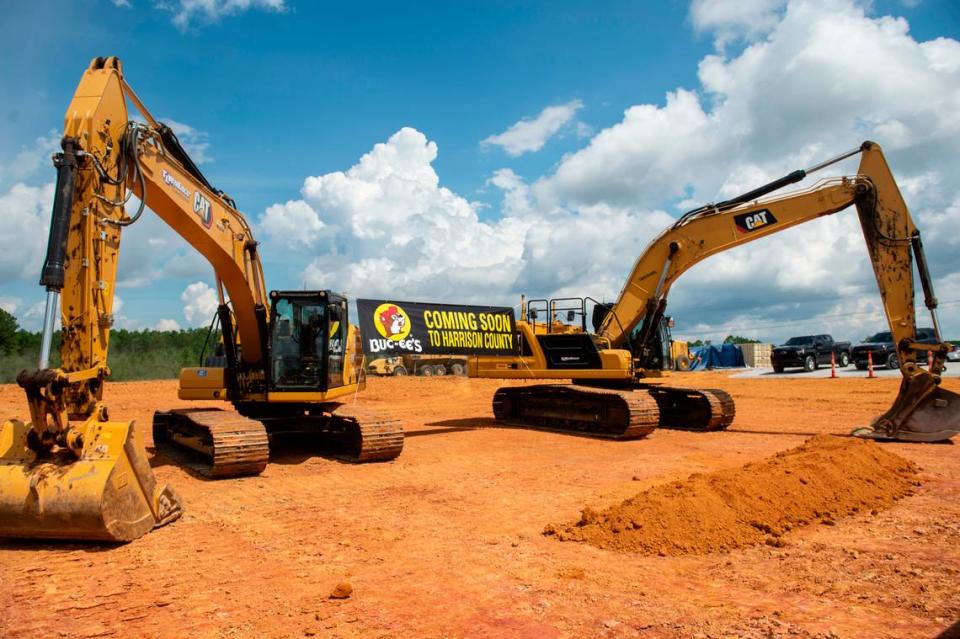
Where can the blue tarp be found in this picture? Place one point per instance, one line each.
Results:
(725, 356)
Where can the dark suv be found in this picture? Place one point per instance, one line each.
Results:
(809, 352)
(884, 350)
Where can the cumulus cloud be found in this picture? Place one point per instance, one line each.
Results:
(199, 303)
(25, 211)
(387, 226)
(293, 223)
(151, 251)
(391, 229)
(167, 325)
(31, 161)
(730, 20)
(29, 316)
(9, 304)
(26, 197)
(825, 76)
(530, 134)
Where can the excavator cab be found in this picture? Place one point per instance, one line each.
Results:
(307, 338)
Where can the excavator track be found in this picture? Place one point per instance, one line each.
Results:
(370, 435)
(219, 443)
(695, 409)
(577, 409)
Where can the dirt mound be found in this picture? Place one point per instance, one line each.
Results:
(825, 478)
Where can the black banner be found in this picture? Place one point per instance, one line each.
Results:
(401, 328)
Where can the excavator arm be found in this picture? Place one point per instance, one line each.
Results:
(922, 410)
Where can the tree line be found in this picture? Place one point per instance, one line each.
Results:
(143, 354)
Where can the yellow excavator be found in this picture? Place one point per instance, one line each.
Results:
(611, 394)
(290, 360)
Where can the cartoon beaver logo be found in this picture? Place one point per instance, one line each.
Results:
(392, 322)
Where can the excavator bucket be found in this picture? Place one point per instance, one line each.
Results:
(935, 417)
(108, 493)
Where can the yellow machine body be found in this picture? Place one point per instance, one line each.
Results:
(202, 383)
(384, 365)
(616, 364)
(680, 355)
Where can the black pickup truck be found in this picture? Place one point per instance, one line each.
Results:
(881, 348)
(809, 352)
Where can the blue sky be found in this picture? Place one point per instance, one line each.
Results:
(275, 91)
(312, 88)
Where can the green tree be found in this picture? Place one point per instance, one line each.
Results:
(738, 339)
(8, 332)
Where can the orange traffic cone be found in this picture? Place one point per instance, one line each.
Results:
(833, 365)
(870, 374)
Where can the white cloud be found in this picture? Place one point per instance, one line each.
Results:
(825, 77)
(10, 304)
(195, 143)
(293, 223)
(25, 211)
(187, 13)
(652, 154)
(30, 318)
(530, 134)
(943, 54)
(190, 13)
(391, 228)
(199, 303)
(730, 20)
(167, 325)
(33, 161)
(396, 229)
(120, 320)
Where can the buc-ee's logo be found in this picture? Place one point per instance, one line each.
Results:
(393, 324)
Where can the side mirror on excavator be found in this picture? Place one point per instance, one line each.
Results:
(571, 315)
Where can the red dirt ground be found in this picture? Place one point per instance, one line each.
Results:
(447, 540)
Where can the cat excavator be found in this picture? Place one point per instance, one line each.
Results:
(291, 361)
(612, 394)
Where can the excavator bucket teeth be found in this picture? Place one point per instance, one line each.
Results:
(108, 493)
(935, 419)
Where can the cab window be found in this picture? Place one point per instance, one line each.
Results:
(297, 337)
